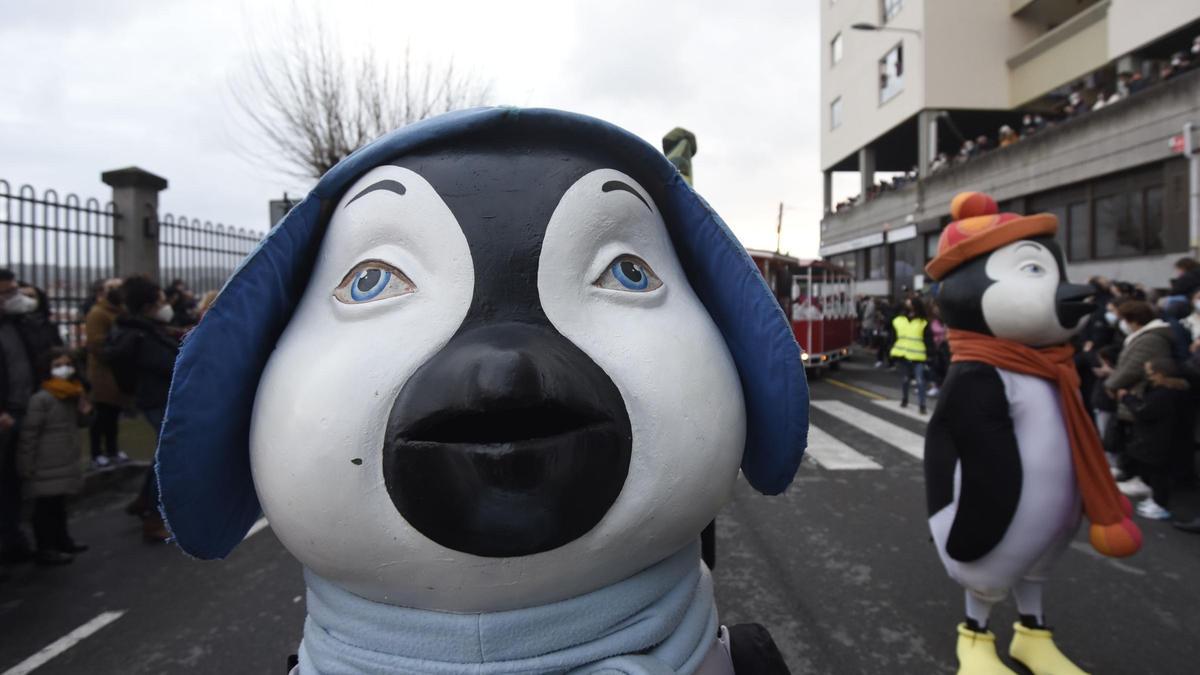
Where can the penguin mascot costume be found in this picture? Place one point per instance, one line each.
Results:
(488, 382)
(1011, 454)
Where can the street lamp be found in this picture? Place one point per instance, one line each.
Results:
(887, 29)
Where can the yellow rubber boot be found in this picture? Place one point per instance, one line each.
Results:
(1035, 649)
(977, 653)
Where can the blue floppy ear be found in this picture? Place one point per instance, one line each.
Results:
(757, 333)
(203, 461)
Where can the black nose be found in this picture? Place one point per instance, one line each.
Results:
(510, 441)
(1072, 303)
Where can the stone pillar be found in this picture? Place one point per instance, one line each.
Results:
(926, 141)
(866, 168)
(135, 199)
(828, 191)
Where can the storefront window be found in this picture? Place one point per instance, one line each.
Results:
(1079, 231)
(877, 262)
(906, 264)
(1118, 225)
(1155, 230)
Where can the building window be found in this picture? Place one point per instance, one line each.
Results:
(931, 245)
(1079, 232)
(1118, 221)
(891, 8)
(876, 262)
(835, 113)
(835, 49)
(891, 74)
(1156, 232)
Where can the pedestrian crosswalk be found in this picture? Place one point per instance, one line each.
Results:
(834, 454)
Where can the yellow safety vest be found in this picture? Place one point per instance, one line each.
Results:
(910, 338)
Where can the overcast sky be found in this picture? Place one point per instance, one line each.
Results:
(91, 86)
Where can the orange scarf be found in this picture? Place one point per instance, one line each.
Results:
(1112, 532)
(63, 389)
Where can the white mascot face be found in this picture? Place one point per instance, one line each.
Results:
(476, 407)
(1028, 301)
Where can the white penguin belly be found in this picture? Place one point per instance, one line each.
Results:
(1048, 512)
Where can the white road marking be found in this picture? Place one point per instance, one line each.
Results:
(905, 440)
(910, 411)
(832, 454)
(1112, 562)
(64, 643)
(255, 528)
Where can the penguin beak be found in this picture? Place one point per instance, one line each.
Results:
(1072, 303)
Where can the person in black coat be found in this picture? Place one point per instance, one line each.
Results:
(1187, 277)
(1163, 422)
(143, 352)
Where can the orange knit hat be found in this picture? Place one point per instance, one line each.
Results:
(979, 228)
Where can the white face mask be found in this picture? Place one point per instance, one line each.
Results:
(1196, 306)
(1110, 318)
(62, 372)
(19, 304)
(165, 314)
(1124, 326)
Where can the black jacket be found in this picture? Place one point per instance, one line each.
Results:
(1186, 283)
(144, 346)
(1163, 421)
(38, 337)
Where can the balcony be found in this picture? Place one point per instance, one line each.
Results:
(1073, 48)
(1129, 133)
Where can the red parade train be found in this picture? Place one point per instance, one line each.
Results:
(818, 298)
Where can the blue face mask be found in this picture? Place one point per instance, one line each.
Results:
(1111, 317)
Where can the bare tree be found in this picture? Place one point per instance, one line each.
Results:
(310, 104)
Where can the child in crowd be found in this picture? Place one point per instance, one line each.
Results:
(48, 456)
(1162, 421)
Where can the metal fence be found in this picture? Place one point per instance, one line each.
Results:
(60, 245)
(203, 255)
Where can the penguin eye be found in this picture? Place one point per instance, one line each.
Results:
(372, 280)
(1033, 269)
(629, 273)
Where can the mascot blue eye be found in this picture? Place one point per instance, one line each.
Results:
(629, 273)
(372, 280)
(1033, 269)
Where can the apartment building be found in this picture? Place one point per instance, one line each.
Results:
(1098, 92)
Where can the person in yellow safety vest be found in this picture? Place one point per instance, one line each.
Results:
(912, 347)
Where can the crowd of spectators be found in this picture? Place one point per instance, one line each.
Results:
(133, 329)
(1081, 101)
(1138, 357)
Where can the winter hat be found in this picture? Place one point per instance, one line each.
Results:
(980, 228)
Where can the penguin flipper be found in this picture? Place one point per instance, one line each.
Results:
(972, 429)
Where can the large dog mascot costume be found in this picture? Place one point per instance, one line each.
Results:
(488, 382)
(1011, 453)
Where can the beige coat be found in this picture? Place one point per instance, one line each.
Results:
(100, 320)
(48, 456)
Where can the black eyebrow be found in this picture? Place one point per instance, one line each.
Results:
(618, 185)
(389, 185)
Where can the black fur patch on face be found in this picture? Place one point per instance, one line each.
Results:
(960, 293)
(509, 441)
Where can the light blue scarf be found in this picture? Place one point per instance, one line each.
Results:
(660, 621)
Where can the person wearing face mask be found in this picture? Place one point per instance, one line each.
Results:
(1147, 338)
(48, 456)
(141, 351)
(18, 382)
(911, 348)
(106, 395)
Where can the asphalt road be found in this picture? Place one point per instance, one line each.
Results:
(840, 569)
